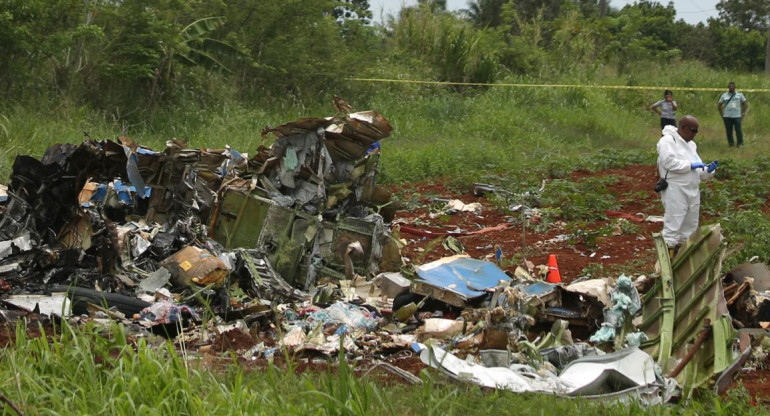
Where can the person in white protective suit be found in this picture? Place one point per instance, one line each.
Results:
(680, 165)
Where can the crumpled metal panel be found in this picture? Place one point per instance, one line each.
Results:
(15, 218)
(350, 140)
(368, 233)
(687, 298)
(239, 216)
(49, 190)
(254, 273)
(298, 126)
(183, 182)
(622, 376)
(345, 138)
(457, 280)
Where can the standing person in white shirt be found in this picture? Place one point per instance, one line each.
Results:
(732, 107)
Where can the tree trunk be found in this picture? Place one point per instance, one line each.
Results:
(603, 8)
(767, 54)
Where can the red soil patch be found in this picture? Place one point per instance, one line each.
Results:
(37, 326)
(633, 191)
(757, 383)
(232, 340)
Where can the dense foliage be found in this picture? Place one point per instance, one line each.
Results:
(121, 56)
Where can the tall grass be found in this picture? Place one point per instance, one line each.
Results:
(515, 135)
(92, 370)
(438, 132)
(515, 128)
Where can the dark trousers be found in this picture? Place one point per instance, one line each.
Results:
(667, 122)
(730, 123)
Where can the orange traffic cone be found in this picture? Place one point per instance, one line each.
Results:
(553, 275)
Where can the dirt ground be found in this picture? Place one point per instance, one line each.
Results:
(611, 252)
(756, 383)
(632, 253)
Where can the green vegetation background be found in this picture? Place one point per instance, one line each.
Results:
(216, 73)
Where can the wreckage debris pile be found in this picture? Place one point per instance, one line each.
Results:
(291, 249)
(107, 215)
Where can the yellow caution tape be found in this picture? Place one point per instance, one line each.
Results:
(604, 87)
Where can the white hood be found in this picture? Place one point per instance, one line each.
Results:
(669, 130)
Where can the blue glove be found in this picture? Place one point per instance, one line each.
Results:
(697, 165)
(712, 166)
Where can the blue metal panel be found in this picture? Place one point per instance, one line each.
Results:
(539, 289)
(463, 275)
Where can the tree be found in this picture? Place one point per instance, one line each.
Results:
(451, 47)
(575, 40)
(592, 8)
(698, 42)
(434, 5)
(143, 37)
(644, 30)
(736, 48)
(44, 44)
(297, 47)
(488, 13)
(531, 9)
(485, 13)
(748, 15)
(194, 46)
(353, 9)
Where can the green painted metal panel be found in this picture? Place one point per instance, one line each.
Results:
(688, 294)
(241, 219)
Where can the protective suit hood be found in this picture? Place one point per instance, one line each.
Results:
(669, 130)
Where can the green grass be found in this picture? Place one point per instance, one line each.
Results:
(437, 133)
(102, 371)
